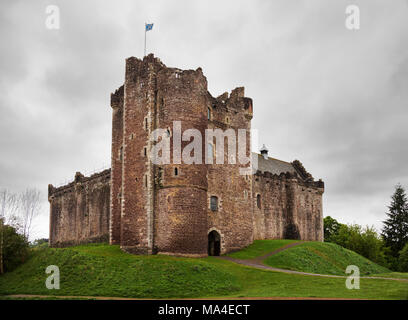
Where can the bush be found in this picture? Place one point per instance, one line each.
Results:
(39, 243)
(365, 241)
(15, 248)
(331, 228)
(403, 259)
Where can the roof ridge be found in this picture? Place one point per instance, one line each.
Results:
(271, 158)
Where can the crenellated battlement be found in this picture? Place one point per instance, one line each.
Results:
(79, 178)
(117, 97)
(288, 176)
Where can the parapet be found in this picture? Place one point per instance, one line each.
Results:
(117, 97)
(78, 179)
(302, 171)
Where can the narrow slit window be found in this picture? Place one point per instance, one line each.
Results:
(214, 203)
(210, 153)
(176, 171)
(121, 153)
(258, 201)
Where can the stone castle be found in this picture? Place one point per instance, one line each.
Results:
(182, 209)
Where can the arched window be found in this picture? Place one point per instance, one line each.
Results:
(258, 201)
(214, 203)
(209, 113)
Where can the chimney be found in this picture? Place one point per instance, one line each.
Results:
(264, 152)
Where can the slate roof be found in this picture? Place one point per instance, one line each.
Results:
(273, 165)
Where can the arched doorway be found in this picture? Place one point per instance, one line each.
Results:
(214, 243)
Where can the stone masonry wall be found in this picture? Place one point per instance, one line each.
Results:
(181, 189)
(233, 218)
(116, 161)
(289, 208)
(79, 211)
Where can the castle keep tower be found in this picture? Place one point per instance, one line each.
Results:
(157, 207)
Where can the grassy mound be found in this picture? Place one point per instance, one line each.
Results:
(104, 270)
(260, 248)
(324, 258)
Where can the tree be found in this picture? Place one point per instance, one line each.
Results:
(8, 215)
(30, 201)
(365, 241)
(39, 243)
(16, 249)
(395, 230)
(331, 228)
(403, 259)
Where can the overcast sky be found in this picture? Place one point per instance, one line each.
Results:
(333, 98)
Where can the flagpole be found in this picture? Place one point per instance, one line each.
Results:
(145, 43)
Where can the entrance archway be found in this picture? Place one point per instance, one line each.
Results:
(214, 243)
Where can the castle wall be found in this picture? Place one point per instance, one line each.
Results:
(233, 218)
(289, 208)
(181, 192)
(116, 162)
(79, 212)
(137, 172)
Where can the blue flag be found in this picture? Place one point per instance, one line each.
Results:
(149, 26)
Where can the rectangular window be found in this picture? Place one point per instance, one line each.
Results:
(214, 203)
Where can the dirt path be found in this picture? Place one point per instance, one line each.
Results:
(258, 263)
(33, 296)
(264, 257)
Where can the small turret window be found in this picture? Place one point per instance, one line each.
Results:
(214, 203)
(258, 201)
(209, 113)
(121, 153)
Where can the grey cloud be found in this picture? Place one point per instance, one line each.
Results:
(334, 99)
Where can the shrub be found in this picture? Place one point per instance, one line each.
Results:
(403, 259)
(15, 248)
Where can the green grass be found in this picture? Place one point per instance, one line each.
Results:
(260, 248)
(395, 275)
(324, 258)
(103, 270)
(99, 270)
(259, 283)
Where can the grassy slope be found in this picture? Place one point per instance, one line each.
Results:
(260, 248)
(324, 258)
(106, 271)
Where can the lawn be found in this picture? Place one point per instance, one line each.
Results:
(324, 258)
(260, 248)
(103, 270)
